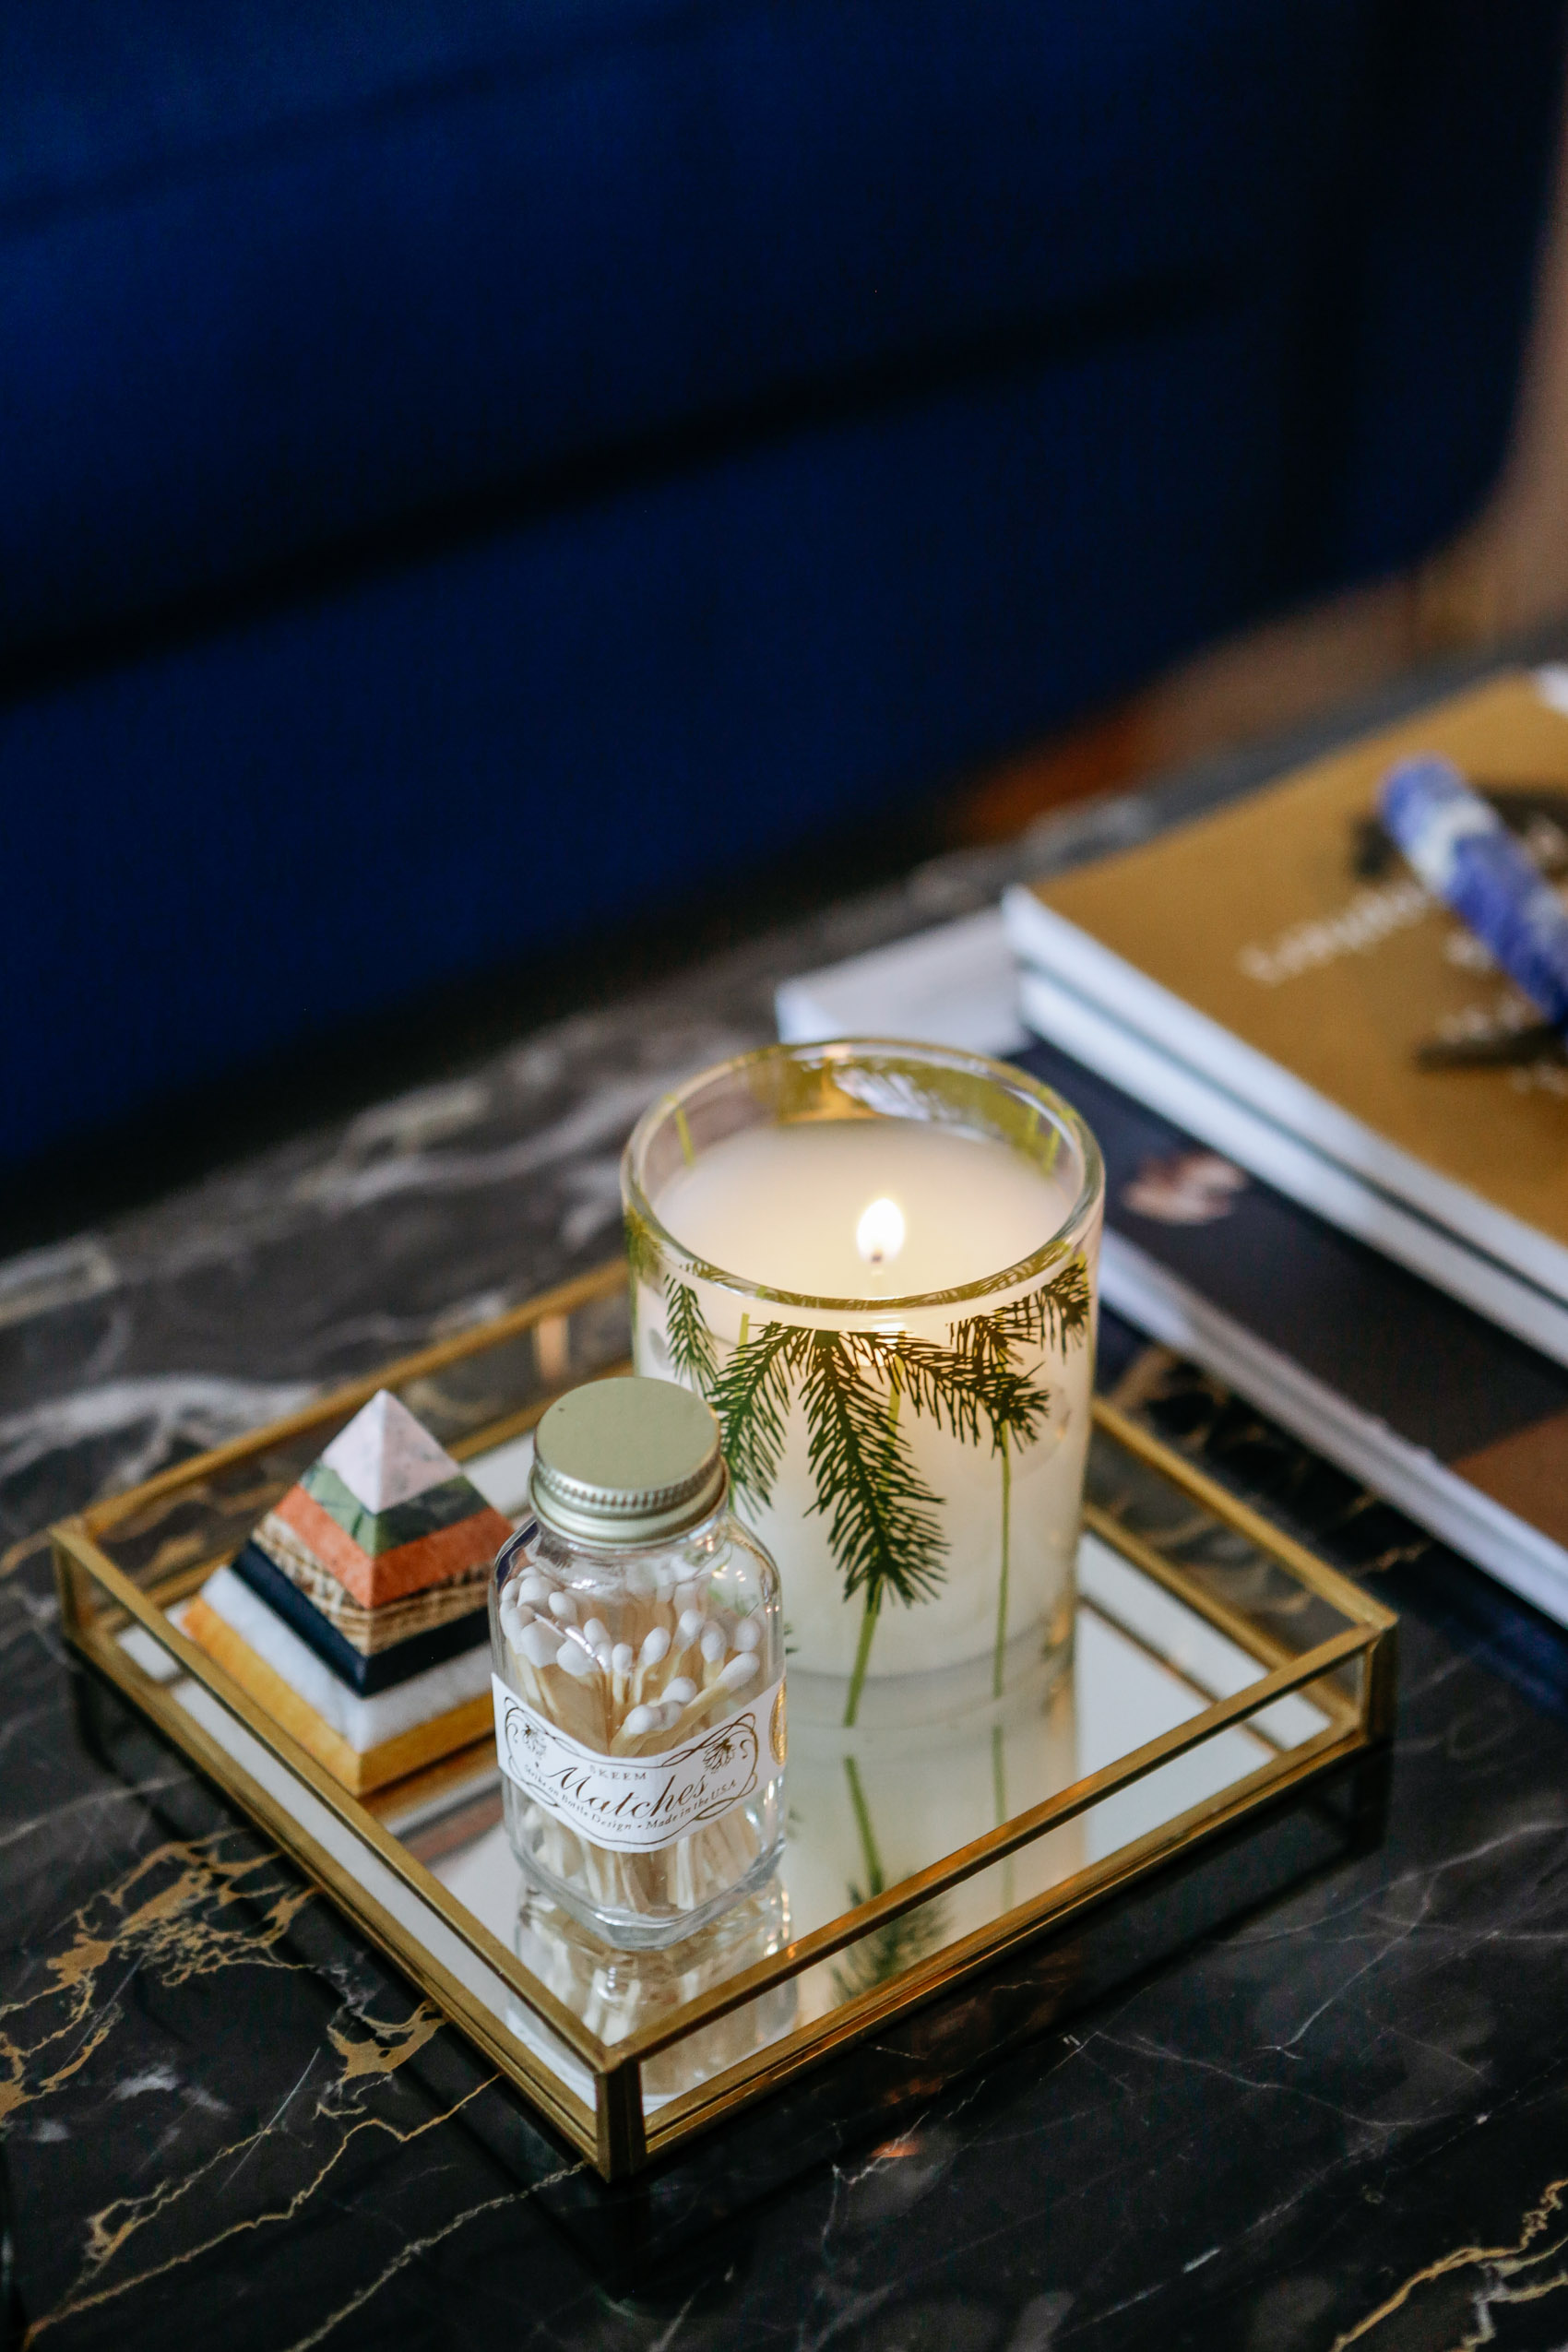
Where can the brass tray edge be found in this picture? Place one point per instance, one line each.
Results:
(602, 2060)
(599, 1282)
(617, 2140)
(973, 1952)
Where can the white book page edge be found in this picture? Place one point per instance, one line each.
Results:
(1046, 943)
(816, 1006)
(955, 985)
(1216, 1118)
(1518, 1555)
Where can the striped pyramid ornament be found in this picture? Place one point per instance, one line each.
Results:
(385, 1512)
(356, 1614)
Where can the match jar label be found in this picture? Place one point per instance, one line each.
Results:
(638, 1804)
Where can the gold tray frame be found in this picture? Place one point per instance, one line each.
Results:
(1353, 1672)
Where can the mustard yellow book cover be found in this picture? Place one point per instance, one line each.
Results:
(1262, 918)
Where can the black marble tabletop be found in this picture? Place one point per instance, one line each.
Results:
(1339, 2117)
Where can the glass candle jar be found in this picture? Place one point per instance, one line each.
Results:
(638, 1670)
(877, 1261)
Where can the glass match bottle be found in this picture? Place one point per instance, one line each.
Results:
(638, 1670)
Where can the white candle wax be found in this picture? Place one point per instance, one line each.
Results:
(862, 1208)
(856, 1212)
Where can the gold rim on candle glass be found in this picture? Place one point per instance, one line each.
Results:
(913, 1458)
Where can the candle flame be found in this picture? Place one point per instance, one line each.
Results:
(880, 1233)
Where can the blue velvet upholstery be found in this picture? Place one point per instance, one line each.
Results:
(466, 468)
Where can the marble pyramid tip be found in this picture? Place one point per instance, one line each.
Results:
(383, 1513)
(384, 1456)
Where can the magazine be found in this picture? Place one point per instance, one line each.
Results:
(1295, 982)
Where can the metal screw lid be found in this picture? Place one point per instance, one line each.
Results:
(626, 1462)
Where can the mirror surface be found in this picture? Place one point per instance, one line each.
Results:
(865, 1811)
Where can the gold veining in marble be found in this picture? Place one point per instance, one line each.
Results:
(384, 2047)
(1523, 2271)
(189, 1910)
(106, 2236)
(159, 1916)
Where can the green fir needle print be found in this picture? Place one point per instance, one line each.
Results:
(642, 1250)
(858, 1391)
(691, 1343)
(900, 1943)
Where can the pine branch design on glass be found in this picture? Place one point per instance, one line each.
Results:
(853, 1387)
(642, 1249)
(693, 1351)
(642, 1260)
(899, 1943)
(1057, 1314)
(935, 1461)
(882, 1515)
(752, 1400)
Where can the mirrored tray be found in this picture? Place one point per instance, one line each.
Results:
(1216, 1665)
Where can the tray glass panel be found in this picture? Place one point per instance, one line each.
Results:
(1214, 1664)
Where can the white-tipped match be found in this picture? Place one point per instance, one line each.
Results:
(748, 1633)
(713, 1646)
(575, 1661)
(622, 1658)
(533, 1587)
(639, 1720)
(654, 1647)
(603, 1655)
(739, 1672)
(539, 1645)
(563, 1606)
(595, 1631)
(680, 1690)
(689, 1629)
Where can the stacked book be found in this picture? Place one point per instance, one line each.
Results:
(1336, 1137)
(356, 1615)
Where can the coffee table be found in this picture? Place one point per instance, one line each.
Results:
(1338, 2116)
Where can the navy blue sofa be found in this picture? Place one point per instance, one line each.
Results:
(470, 469)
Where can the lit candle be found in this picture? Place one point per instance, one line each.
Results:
(862, 1208)
(887, 1296)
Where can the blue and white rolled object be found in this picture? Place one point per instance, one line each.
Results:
(1460, 847)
